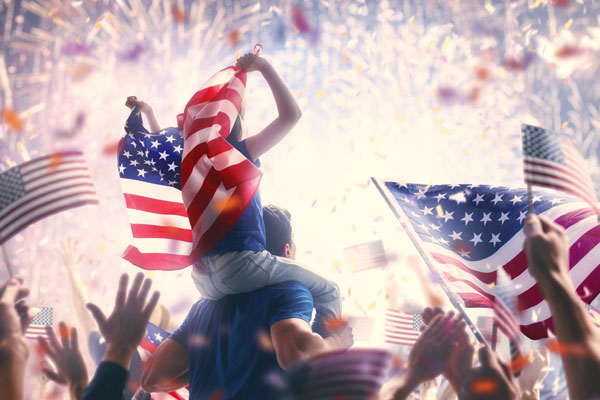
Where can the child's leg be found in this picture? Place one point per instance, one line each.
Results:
(217, 276)
(262, 269)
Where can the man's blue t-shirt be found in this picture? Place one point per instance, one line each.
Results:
(225, 340)
(249, 232)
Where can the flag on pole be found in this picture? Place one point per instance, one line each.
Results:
(366, 256)
(471, 231)
(505, 310)
(41, 187)
(552, 161)
(186, 187)
(41, 319)
(154, 337)
(352, 374)
(402, 328)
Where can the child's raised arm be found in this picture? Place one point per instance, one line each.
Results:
(289, 112)
(146, 109)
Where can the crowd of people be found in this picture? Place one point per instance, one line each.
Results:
(219, 348)
(255, 323)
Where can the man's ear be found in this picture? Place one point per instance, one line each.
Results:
(287, 251)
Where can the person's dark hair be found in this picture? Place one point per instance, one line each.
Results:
(236, 132)
(278, 228)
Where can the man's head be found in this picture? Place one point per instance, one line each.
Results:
(280, 238)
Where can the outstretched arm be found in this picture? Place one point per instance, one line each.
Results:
(547, 248)
(289, 112)
(294, 341)
(146, 109)
(167, 369)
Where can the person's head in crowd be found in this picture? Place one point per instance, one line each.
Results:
(279, 234)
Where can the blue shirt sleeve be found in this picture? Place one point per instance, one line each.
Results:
(241, 147)
(292, 300)
(108, 383)
(181, 335)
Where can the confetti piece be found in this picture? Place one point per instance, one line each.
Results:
(12, 119)
(111, 149)
(490, 8)
(55, 161)
(178, 14)
(564, 125)
(218, 394)
(336, 323)
(569, 23)
(320, 94)
(63, 331)
(234, 37)
(258, 49)
(333, 210)
(313, 203)
(484, 386)
(536, 4)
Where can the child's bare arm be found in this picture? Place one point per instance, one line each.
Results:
(145, 108)
(289, 112)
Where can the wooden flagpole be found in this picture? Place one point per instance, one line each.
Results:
(454, 299)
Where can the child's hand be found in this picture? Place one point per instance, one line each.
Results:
(132, 101)
(250, 62)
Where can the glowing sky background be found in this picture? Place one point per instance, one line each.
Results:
(417, 91)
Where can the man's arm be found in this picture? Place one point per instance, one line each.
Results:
(547, 248)
(289, 112)
(147, 110)
(167, 369)
(294, 341)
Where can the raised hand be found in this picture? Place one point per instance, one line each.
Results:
(491, 380)
(66, 356)
(14, 350)
(250, 62)
(124, 329)
(461, 356)
(132, 101)
(69, 253)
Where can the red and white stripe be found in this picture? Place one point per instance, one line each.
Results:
(172, 228)
(162, 237)
(217, 181)
(506, 321)
(473, 280)
(399, 328)
(573, 177)
(36, 330)
(52, 183)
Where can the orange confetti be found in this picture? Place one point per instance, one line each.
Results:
(12, 119)
(335, 324)
(227, 204)
(484, 386)
(178, 14)
(80, 72)
(55, 162)
(111, 149)
(63, 331)
(42, 348)
(482, 74)
(566, 348)
(519, 362)
(234, 37)
(218, 394)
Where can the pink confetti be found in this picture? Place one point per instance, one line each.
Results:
(313, 203)
(258, 49)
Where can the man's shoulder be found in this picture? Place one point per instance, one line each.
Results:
(289, 286)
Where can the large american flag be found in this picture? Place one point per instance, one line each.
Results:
(184, 195)
(402, 328)
(41, 187)
(552, 161)
(470, 231)
(154, 337)
(42, 318)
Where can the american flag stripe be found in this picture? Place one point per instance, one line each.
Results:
(213, 173)
(51, 184)
(554, 162)
(36, 330)
(400, 328)
(506, 324)
(472, 279)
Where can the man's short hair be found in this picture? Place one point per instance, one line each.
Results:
(278, 228)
